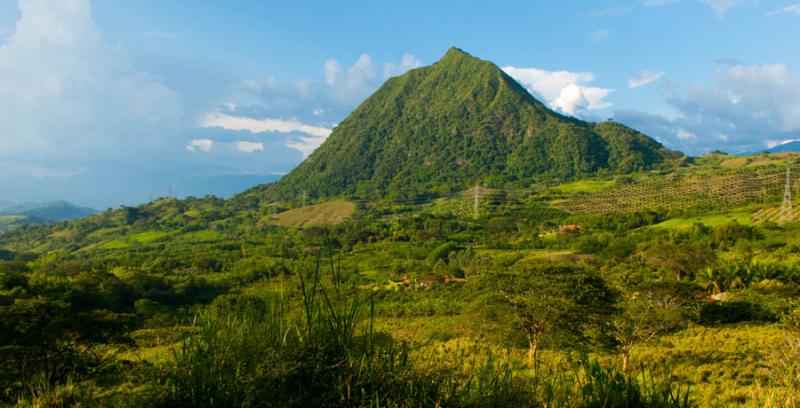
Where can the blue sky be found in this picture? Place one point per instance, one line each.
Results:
(108, 102)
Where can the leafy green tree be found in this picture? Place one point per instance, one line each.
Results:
(642, 318)
(46, 339)
(550, 299)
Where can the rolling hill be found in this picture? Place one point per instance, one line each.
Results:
(13, 216)
(460, 121)
(48, 211)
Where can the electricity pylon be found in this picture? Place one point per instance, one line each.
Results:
(787, 213)
(477, 204)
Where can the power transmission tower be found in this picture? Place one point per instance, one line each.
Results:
(169, 190)
(477, 204)
(787, 213)
(304, 198)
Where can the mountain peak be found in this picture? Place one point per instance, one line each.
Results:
(455, 52)
(459, 120)
(456, 55)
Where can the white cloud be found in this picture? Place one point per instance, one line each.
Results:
(320, 102)
(230, 122)
(68, 97)
(313, 136)
(773, 143)
(249, 147)
(643, 78)
(563, 90)
(332, 70)
(745, 109)
(721, 6)
(204, 145)
(306, 144)
(407, 62)
(352, 81)
(599, 35)
(790, 9)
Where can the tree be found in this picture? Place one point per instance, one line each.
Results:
(549, 299)
(41, 337)
(643, 317)
(679, 260)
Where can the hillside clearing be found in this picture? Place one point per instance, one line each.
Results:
(711, 220)
(328, 213)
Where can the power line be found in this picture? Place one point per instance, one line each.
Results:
(787, 214)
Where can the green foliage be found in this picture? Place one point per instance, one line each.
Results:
(551, 299)
(446, 126)
(43, 340)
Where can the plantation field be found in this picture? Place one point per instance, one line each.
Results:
(774, 214)
(686, 191)
(328, 213)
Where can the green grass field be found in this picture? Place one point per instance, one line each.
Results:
(711, 220)
(148, 236)
(585, 186)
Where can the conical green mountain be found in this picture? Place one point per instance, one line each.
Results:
(460, 121)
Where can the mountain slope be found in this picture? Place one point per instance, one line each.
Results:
(452, 124)
(49, 211)
(793, 146)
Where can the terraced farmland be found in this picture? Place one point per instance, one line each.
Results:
(723, 190)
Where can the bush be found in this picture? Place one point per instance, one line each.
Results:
(730, 312)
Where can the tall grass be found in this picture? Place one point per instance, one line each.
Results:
(254, 352)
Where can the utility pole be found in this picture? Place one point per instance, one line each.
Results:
(787, 213)
(477, 204)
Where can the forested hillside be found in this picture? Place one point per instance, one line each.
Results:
(455, 123)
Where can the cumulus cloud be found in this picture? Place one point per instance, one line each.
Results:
(306, 144)
(643, 78)
(305, 138)
(312, 107)
(253, 125)
(745, 109)
(407, 62)
(790, 9)
(563, 90)
(70, 98)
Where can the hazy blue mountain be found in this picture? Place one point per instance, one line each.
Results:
(786, 147)
(49, 211)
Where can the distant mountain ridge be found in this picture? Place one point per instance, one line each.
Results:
(455, 123)
(52, 211)
(793, 146)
